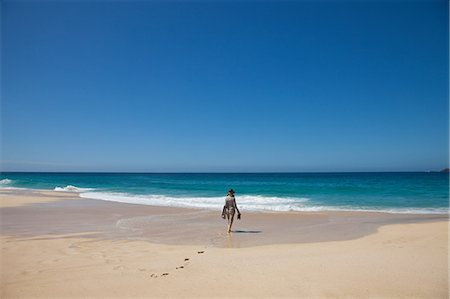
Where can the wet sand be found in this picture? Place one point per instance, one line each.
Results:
(57, 244)
(65, 213)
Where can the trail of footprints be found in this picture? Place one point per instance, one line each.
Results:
(186, 260)
(115, 262)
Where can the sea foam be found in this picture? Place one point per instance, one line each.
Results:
(70, 188)
(5, 182)
(245, 202)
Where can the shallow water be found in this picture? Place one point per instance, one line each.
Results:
(94, 219)
(417, 192)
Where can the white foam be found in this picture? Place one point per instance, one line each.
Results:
(5, 182)
(13, 188)
(70, 188)
(414, 211)
(378, 210)
(4, 185)
(246, 203)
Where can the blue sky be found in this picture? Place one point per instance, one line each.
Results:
(224, 86)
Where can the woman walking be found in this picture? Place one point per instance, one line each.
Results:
(230, 208)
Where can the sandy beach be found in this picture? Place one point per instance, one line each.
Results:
(128, 129)
(55, 244)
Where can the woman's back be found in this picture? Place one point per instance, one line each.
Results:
(229, 202)
(230, 208)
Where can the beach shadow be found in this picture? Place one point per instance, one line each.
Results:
(247, 231)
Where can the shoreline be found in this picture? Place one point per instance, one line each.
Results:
(79, 194)
(56, 245)
(28, 213)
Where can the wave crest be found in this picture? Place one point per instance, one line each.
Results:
(5, 182)
(70, 188)
(246, 202)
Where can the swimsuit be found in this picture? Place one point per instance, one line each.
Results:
(229, 206)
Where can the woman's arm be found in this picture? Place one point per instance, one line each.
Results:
(223, 212)
(235, 205)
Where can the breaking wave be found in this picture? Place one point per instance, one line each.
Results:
(5, 182)
(70, 188)
(246, 202)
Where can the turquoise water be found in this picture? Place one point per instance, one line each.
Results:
(391, 192)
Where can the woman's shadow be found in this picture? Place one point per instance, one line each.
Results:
(247, 231)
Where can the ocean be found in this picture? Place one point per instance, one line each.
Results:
(393, 192)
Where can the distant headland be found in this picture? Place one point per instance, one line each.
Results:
(445, 170)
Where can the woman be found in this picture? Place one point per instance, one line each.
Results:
(230, 208)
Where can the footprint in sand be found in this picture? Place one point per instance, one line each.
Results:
(186, 260)
(164, 274)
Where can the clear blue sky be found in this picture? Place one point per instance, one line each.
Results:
(224, 86)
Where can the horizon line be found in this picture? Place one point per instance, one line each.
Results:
(227, 172)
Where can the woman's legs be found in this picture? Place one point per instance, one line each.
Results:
(230, 221)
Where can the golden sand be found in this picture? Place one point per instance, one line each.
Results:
(396, 261)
